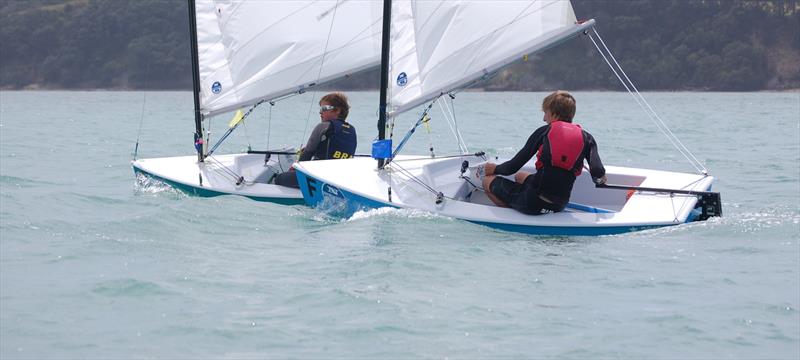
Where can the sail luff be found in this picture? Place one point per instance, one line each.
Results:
(385, 51)
(198, 117)
(459, 83)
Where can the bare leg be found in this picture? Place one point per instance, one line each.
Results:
(521, 176)
(487, 182)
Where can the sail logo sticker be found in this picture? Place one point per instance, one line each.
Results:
(402, 79)
(330, 190)
(216, 87)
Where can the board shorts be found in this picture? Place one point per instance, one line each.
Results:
(522, 197)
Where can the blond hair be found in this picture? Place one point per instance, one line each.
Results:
(561, 104)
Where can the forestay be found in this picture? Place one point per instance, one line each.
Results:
(254, 50)
(439, 46)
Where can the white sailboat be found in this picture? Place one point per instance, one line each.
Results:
(438, 48)
(247, 53)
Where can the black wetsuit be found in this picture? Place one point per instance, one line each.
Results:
(550, 187)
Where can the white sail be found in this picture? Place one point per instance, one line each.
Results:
(439, 46)
(254, 50)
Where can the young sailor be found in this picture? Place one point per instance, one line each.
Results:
(560, 148)
(332, 138)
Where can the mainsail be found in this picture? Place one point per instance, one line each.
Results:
(255, 50)
(439, 46)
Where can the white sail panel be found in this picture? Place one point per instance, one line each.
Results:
(440, 45)
(254, 50)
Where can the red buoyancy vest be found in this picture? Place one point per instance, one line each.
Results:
(564, 145)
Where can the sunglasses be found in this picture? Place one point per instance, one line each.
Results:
(324, 108)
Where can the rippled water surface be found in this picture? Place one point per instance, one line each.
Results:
(96, 265)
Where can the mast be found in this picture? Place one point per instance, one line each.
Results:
(198, 117)
(387, 20)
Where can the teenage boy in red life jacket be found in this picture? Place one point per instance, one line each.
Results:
(560, 149)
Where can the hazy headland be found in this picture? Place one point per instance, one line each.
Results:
(714, 45)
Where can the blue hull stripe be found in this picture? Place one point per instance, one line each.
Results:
(567, 230)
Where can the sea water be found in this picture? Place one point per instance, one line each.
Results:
(94, 264)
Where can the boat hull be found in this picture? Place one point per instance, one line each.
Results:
(354, 184)
(235, 174)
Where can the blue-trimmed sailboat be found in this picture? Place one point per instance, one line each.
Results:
(430, 50)
(248, 53)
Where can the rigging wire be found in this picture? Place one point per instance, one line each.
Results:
(704, 170)
(425, 119)
(439, 195)
(427, 122)
(242, 121)
(686, 199)
(455, 122)
(269, 122)
(479, 154)
(451, 122)
(651, 113)
(415, 179)
(208, 136)
(144, 101)
(319, 73)
(412, 130)
(230, 130)
(640, 100)
(246, 135)
(225, 171)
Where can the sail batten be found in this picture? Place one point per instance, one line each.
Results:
(251, 51)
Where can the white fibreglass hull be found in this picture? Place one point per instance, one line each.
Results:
(592, 211)
(234, 174)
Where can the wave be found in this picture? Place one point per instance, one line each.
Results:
(146, 185)
(395, 212)
(129, 288)
(21, 182)
(779, 218)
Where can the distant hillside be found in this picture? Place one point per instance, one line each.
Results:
(663, 44)
(82, 44)
(676, 44)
